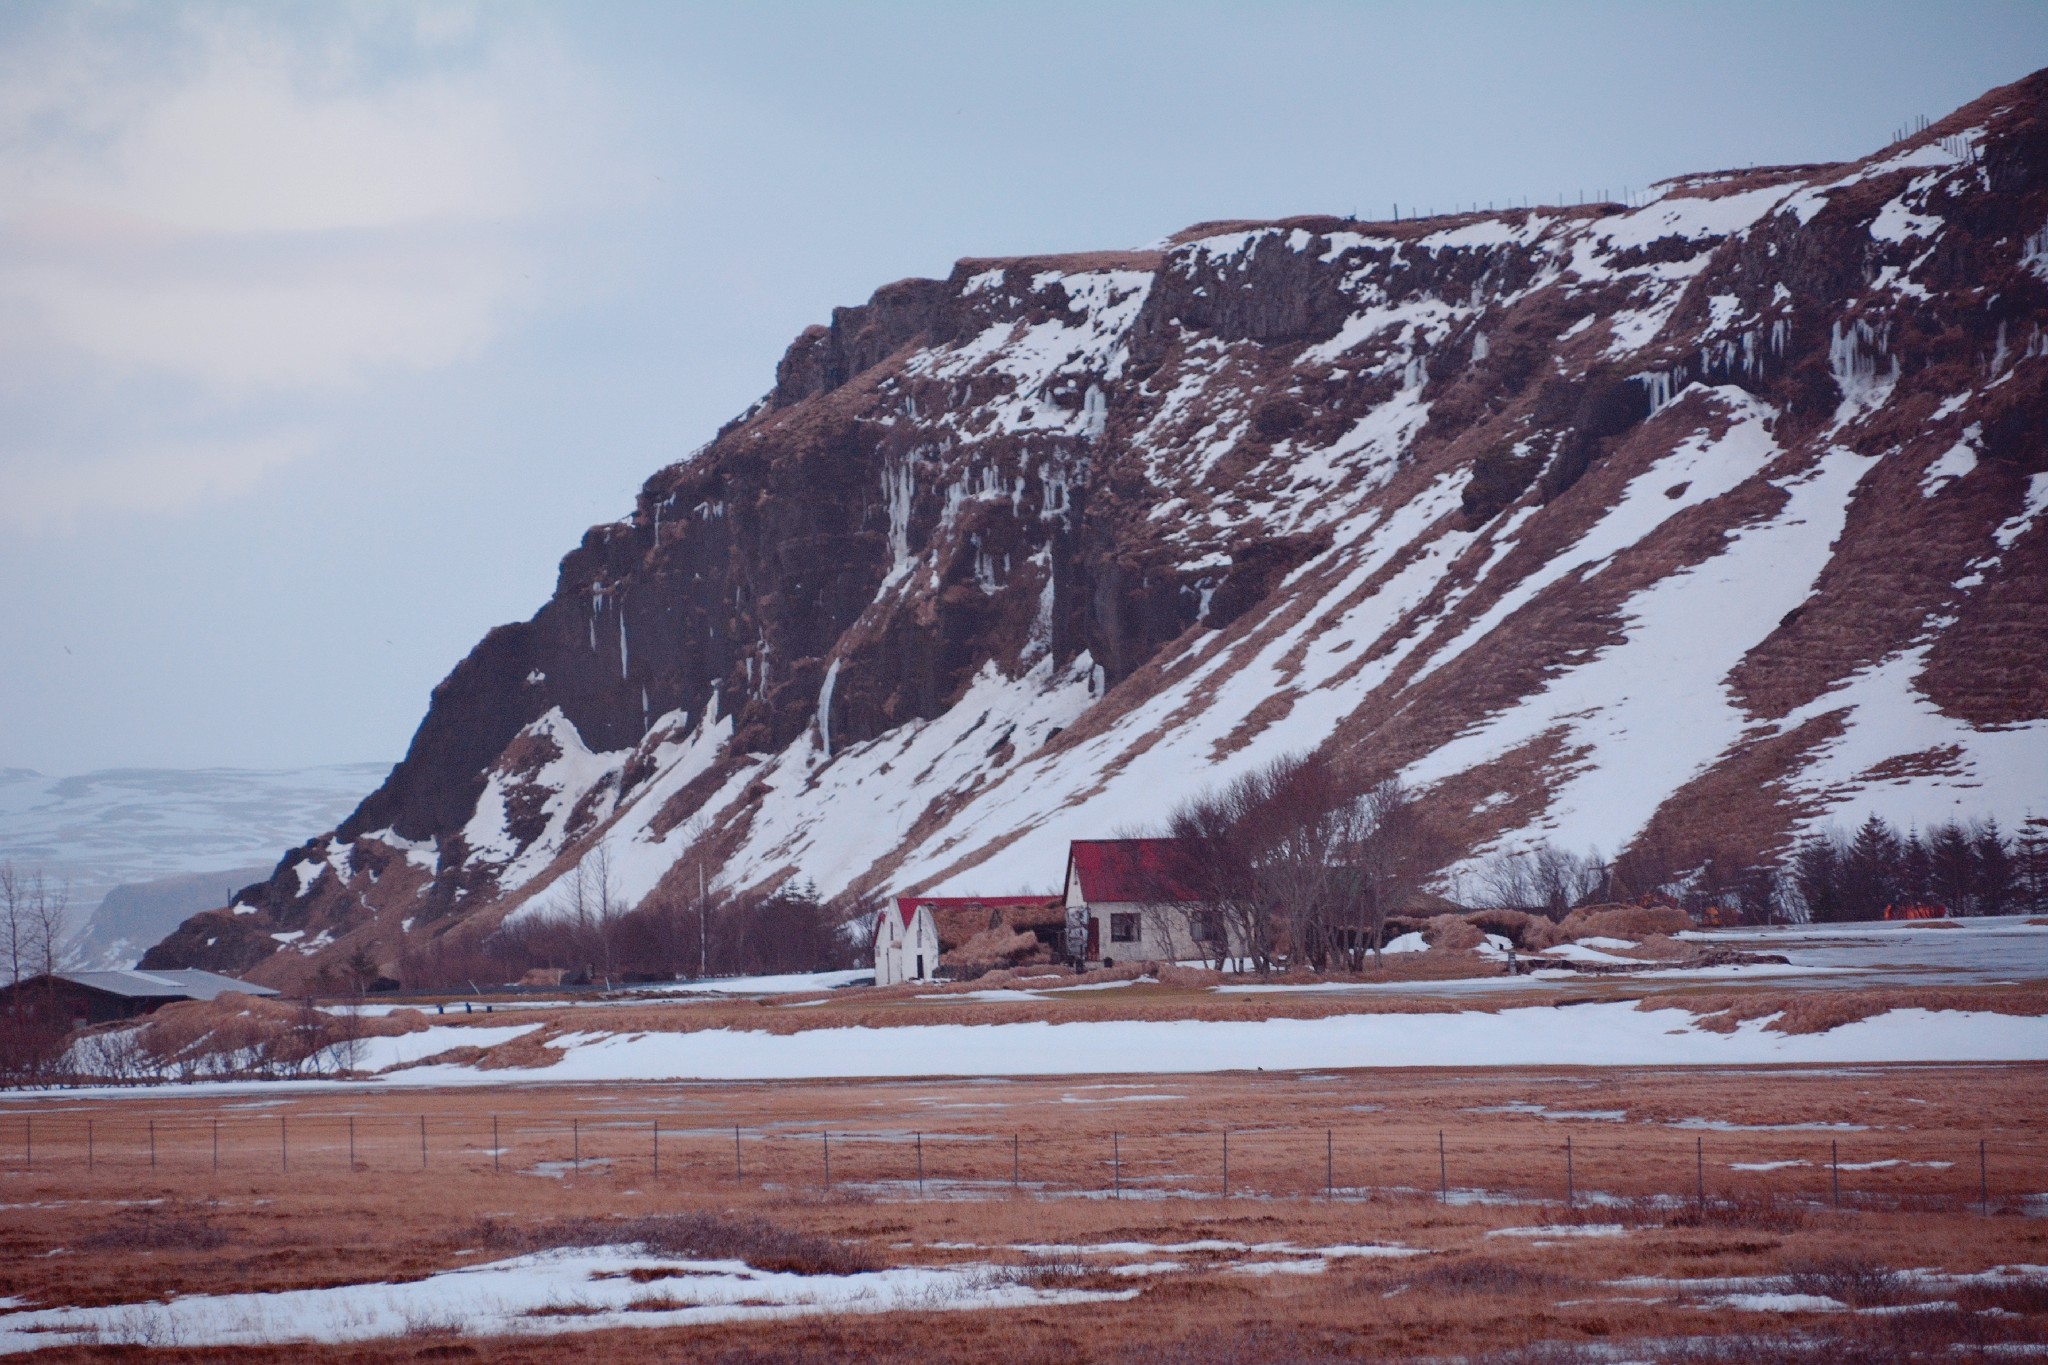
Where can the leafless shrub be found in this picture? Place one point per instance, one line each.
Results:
(709, 1236)
(1853, 1280)
(1761, 1213)
(2028, 1295)
(159, 1227)
(1483, 1275)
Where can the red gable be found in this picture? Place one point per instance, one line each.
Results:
(1132, 870)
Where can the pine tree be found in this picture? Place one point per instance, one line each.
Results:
(1817, 875)
(1915, 870)
(2033, 865)
(1952, 868)
(1997, 882)
(1870, 871)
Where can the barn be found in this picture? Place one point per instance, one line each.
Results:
(1136, 900)
(103, 997)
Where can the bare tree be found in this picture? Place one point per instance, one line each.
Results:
(1543, 879)
(588, 901)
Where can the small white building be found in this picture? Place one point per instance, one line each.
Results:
(1133, 900)
(906, 943)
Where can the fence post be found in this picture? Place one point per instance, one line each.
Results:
(575, 1146)
(284, 1149)
(1226, 1163)
(423, 1142)
(88, 1144)
(827, 1135)
(1835, 1172)
(1329, 1163)
(1699, 1172)
(152, 1142)
(1569, 1194)
(496, 1146)
(920, 1165)
(351, 1144)
(1116, 1164)
(737, 1175)
(1015, 1183)
(657, 1149)
(216, 1144)
(1443, 1170)
(28, 1141)
(1983, 1180)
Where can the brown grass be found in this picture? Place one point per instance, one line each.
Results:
(254, 1226)
(1817, 1011)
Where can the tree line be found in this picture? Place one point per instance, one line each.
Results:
(587, 931)
(1954, 867)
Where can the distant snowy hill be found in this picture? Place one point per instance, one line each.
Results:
(100, 830)
(1683, 525)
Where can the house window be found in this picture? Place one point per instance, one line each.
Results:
(1208, 926)
(1123, 928)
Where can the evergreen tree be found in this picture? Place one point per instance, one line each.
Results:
(2032, 858)
(1997, 882)
(1952, 867)
(1916, 868)
(1817, 875)
(1870, 871)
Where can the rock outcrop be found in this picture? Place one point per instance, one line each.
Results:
(1688, 523)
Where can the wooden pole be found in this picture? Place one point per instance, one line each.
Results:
(1226, 1163)
(423, 1142)
(152, 1143)
(284, 1146)
(920, 1165)
(1569, 1193)
(216, 1144)
(575, 1146)
(737, 1176)
(1329, 1163)
(496, 1146)
(1983, 1180)
(827, 1135)
(1015, 1183)
(351, 1144)
(1835, 1172)
(1443, 1170)
(1116, 1164)
(28, 1141)
(88, 1144)
(1699, 1172)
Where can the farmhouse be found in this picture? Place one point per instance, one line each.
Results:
(1130, 899)
(101, 997)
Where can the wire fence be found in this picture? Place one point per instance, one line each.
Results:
(1327, 1163)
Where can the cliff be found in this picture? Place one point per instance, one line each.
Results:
(1688, 524)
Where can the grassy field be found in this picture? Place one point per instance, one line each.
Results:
(1818, 1184)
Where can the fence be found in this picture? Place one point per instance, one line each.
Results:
(1266, 1163)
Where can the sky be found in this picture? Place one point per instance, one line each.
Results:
(325, 330)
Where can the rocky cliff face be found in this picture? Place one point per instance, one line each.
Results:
(1692, 522)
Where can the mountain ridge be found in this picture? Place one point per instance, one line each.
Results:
(1677, 526)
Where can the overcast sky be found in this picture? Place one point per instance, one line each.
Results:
(325, 330)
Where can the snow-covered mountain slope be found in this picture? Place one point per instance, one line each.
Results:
(1688, 523)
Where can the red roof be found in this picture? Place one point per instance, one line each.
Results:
(1133, 870)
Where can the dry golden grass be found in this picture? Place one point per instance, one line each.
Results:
(255, 1224)
(1816, 1011)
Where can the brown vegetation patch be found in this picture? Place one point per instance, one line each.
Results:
(1817, 1011)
